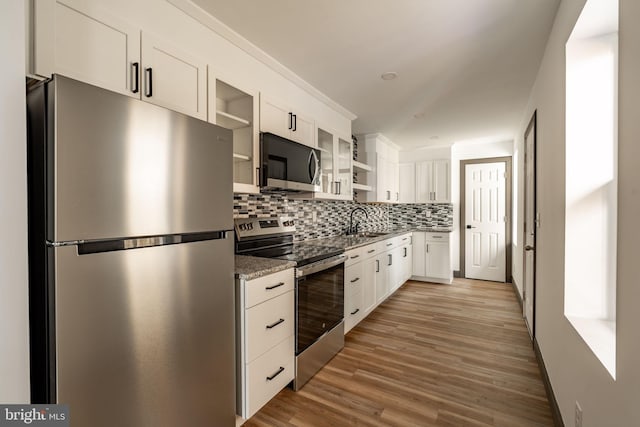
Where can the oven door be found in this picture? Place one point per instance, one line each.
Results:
(319, 300)
(288, 165)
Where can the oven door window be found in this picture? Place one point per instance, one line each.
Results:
(319, 305)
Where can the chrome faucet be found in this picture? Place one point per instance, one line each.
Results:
(354, 229)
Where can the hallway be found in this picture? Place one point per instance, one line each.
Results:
(442, 355)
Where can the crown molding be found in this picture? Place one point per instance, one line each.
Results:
(217, 26)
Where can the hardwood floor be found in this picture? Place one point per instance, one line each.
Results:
(441, 355)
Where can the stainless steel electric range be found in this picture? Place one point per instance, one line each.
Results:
(319, 288)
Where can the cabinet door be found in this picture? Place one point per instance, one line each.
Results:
(382, 281)
(441, 182)
(172, 78)
(275, 117)
(437, 260)
(424, 175)
(393, 181)
(419, 254)
(327, 162)
(408, 262)
(237, 109)
(86, 43)
(407, 182)
(369, 284)
(381, 179)
(397, 268)
(302, 130)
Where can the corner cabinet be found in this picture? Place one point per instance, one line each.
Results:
(278, 118)
(433, 182)
(85, 42)
(264, 339)
(237, 109)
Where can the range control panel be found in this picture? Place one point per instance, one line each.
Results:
(258, 227)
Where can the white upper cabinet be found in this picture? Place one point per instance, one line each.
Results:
(237, 109)
(407, 179)
(83, 41)
(173, 78)
(433, 182)
(278, 118)
(86, 43)
(382, 180)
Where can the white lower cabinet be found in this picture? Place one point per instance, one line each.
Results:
(432, 257)
(372, 273)
(264, 339)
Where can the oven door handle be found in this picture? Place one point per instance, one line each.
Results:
(321, 265)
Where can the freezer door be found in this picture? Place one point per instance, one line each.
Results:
(123, 167)
(145, 337)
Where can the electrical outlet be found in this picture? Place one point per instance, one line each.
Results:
(578, 415)
(427, 213)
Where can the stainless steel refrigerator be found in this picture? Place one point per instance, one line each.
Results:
(131, 260)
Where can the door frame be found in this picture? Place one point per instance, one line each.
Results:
(532, 126)
(508, 209)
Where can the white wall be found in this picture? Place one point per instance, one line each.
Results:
(466, 152)
(431, 153)
(575, 373)
(14, 309)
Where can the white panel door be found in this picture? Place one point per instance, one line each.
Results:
(485, 231)
(86, 43)
(173, 78)
(530, 225)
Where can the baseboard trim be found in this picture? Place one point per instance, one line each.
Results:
(517, 292)
(555, 409)
(457, 274)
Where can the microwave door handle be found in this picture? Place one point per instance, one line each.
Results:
(316, 163)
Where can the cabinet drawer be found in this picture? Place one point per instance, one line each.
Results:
(260, 389)
(369, 251)
(353, 256)
(353, 311)
(267, 324)
(385, 245)
(436, 237)
(267, 287)
(405, 239)
(353, 278)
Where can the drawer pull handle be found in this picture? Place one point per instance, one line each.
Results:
(276, 374)
(354, 312)
(355, 256)
(389, 244)
(268, 288)
(436, 237)
(273, 325)
(371, 251)
(355, 280)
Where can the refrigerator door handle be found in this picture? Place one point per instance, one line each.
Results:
(93, 247)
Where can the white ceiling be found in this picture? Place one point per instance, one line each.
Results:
(465, 67)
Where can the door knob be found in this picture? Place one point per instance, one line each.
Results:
(529, 248)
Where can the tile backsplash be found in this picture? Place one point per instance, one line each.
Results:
(318, 218)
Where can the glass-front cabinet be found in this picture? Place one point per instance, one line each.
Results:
(237, 109)
(336, 160)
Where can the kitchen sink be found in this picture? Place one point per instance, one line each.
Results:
(368, 234)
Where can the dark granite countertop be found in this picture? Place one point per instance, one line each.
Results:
(249, 267)
(352, 242)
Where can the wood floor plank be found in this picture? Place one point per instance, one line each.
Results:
(431, 355)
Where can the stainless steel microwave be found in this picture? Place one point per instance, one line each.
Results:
(288, 165)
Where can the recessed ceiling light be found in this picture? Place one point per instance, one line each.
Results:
(389, 75)
(434, 137)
